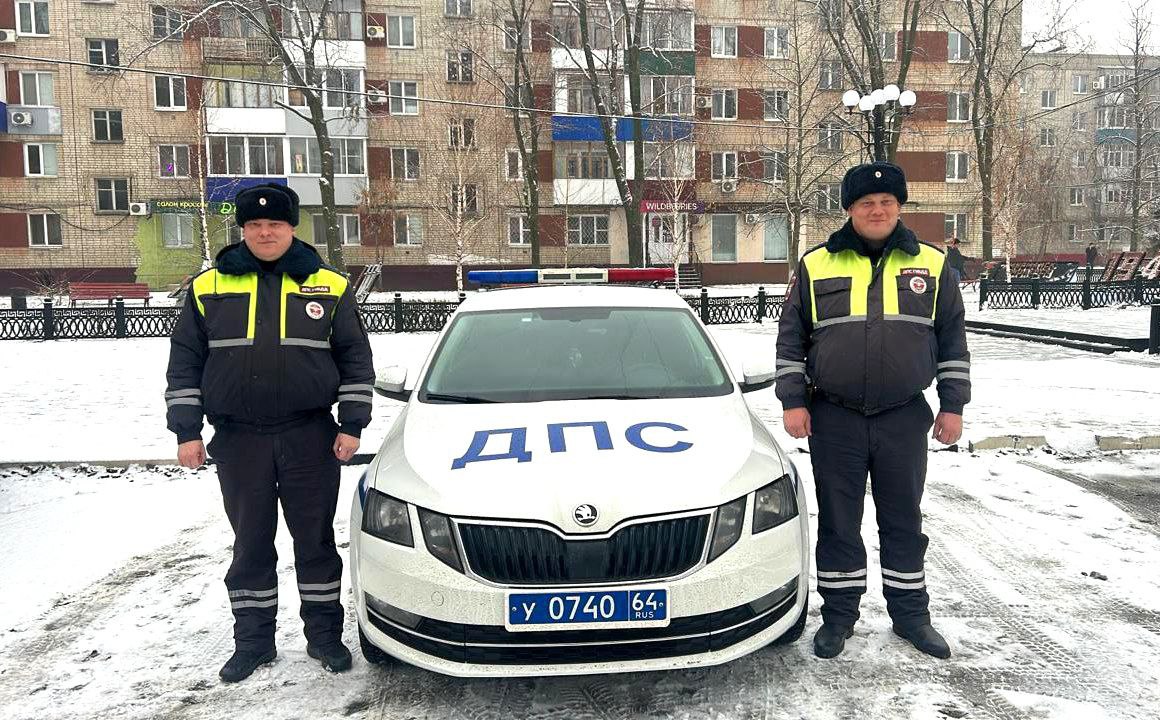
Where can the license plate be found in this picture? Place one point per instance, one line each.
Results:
(648, 607)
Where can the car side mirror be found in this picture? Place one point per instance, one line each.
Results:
(389, 382)
(756, 374)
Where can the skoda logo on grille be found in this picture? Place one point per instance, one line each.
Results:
(585, 515)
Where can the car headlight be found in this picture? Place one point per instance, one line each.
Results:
(730, 518)
(387, 518)
(439, 538)
(774, 504)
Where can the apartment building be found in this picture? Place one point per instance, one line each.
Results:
(113, 161)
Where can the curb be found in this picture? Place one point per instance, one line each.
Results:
(358, 459)
(1116, 442)
(1008, 442)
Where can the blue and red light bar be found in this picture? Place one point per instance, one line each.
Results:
(569, 276)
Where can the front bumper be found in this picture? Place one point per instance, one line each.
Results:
(454, 624)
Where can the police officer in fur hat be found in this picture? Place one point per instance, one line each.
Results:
(873, 317)
(267, 342)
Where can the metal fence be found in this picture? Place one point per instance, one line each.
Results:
(1030, 294)
(119, 321)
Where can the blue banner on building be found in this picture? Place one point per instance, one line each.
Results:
(224, 189)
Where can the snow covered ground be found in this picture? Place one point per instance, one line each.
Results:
(112, 602)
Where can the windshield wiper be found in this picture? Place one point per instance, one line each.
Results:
(457, 398)
(621, 397)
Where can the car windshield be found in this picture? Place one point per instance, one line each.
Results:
(574, 354)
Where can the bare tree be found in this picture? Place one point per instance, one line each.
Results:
(1137, 98)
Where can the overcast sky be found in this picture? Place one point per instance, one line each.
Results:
(1103, 24)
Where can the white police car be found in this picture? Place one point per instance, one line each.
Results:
(576, 485)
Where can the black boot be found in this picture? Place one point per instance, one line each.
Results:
(926, 639)
(333, 655)
(830, 640)
(243, 663)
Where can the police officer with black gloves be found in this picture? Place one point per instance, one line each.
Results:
(873, 318)
(268, 340)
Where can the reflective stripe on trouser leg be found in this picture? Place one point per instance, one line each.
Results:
(839, 452)
(308, 475)
(897, 479)
(245, 471)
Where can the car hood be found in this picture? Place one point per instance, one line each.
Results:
(440, 456)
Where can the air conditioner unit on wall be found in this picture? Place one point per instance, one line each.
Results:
(704, 102)
(376, 97)
(20, 118)
(1100, 83)
(7, 36)
(375, 32)
(138, 208)
(728, 186)
(752, 218)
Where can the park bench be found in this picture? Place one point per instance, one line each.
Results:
(107, 291)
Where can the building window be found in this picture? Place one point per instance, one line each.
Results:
(461, 133)
(104, 54)
(44, 230)
(408, 229)
(1117, 155)
(36, 89)
(173, 161)
(588, 230)
(513, 165)
(829, 74)
(168, 92)
(464, 199)
(829, 14)
(958, 47)
(954, 226)
(724, 104)
(512, 36)
(113, 195)
(1079, 121)
(40, 160)
(305, 158)
(404, 97)
(457, 8)
(31, 17)
(349, 156)
(829, 137)
(668, 229)
(107, 126)
(405, 163)
(1079, 84)
(343, 87)
(957, 166)
(888, 45)
(1079, 159)
(1076, 196)
(583, 161)
(665, 95)
(777, 43)
(566, 26)
(1071, 233)
(1113, 194)
(1112, 118)
(724, 238)
(349, 230)
(238, 155)
(401, 31)
(775, 166)
(233, 232)
(724, 165)
(459, 66)
(519, 230)
(776, 105)
(237, 93)
(667, 30)
(177, 230)
(958, 107)
(1047, 99)
(580, 97)
(723, 41)
(518, 99)
(166, 23)
(668, 161)
(776, 241)
(1047, 137)
(829, 197)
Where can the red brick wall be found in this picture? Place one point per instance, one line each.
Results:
(541, 41)
(8, 14)
(13, 230)
(750, 104)
(701, 40)
(377, 229)
(543, 96)
(379, 19)
(923, 166)
(928, 226)
(739, 273)
(930, 107)
(929, 46)
(11, 159)
(545, 166)
(704, 166)
(553, 230)
(13, 84)
(750, 41)
(749, 165)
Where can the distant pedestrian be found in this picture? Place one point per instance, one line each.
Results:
(955, 260)
(1090, 255)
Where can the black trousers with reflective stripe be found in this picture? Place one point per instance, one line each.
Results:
(891, 447)
(256, 471)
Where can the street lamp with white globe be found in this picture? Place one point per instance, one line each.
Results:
(875, 106)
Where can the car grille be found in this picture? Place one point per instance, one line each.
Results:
(524, 555)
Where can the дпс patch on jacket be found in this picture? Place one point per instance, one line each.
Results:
(873, 335)
(268, 345)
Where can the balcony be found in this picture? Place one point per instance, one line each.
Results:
(254, 49)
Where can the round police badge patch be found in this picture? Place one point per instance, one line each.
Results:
(918, 285)
(315, 312)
